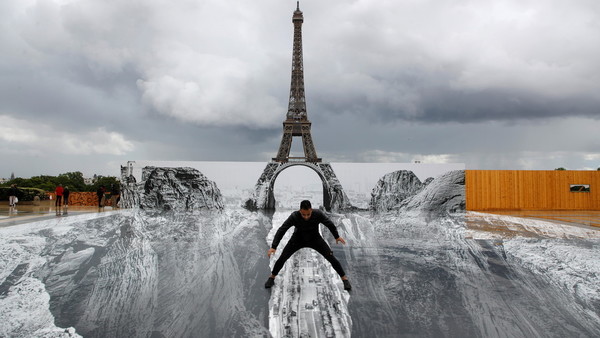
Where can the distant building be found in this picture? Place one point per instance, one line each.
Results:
(88, 180)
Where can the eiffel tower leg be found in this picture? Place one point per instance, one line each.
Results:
(270, 203)
(337, 198)
(263, 198)
(309, 148)
(286, 144)
(326, 197)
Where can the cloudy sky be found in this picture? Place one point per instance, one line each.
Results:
(87, 85)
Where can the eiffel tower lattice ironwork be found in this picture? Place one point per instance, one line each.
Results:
(297, 124)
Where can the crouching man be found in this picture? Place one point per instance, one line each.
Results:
(306, 235)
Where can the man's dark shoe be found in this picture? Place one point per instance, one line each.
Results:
(347, 285)
(269, 283)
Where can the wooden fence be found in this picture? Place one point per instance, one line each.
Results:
(84, 198)
(532, 190)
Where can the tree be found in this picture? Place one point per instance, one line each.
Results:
(561, 168)
(107, 182)
(47, 183)
(74, 180)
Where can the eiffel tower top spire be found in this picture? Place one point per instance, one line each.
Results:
(297, 104)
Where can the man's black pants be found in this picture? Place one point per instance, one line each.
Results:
(317, 243)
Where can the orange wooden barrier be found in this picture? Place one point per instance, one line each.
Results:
(531, 190)
(83, 199)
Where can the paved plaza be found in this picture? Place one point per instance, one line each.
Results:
(26, 213)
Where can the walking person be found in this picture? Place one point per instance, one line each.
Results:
(12, 196)
(100, 193)
(115, 194)
(306, 235)
(66, 193)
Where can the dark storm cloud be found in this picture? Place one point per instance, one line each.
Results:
(463, 61)
(509, 105)
(431, 98)
(446, 105)
(53, 99)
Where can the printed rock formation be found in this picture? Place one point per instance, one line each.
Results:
(402, 190)
(176, 189)
(445, 193)
(393, 188)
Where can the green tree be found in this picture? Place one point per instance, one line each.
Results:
(74, 180)
(561, 168)
(106, 181)
(44, 182)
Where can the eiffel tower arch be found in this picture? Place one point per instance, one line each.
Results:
(263, 198)
(297, 125)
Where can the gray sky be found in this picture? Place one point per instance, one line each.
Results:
(88, 85)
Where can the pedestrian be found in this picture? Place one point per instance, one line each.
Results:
(306, 235)
(100, 193)
(115, 195)
(59, 194)
(12, 195)
(66, 193)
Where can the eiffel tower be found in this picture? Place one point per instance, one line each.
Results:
(297, 124)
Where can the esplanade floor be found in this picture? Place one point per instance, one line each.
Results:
(589, 218)
(122, 273)
(25, 213)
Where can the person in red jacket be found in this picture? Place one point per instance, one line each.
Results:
(306, 235)
(59, 195)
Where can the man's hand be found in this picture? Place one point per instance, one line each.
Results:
(271, 252)
(340, 239)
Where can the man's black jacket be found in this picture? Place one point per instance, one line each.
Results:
(304, 230)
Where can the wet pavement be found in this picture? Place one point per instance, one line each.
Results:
(26, 213)
(532, 224)
(574, 217)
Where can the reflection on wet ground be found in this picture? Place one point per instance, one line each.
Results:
(27, 213)
(580, 217)
(534, 223)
